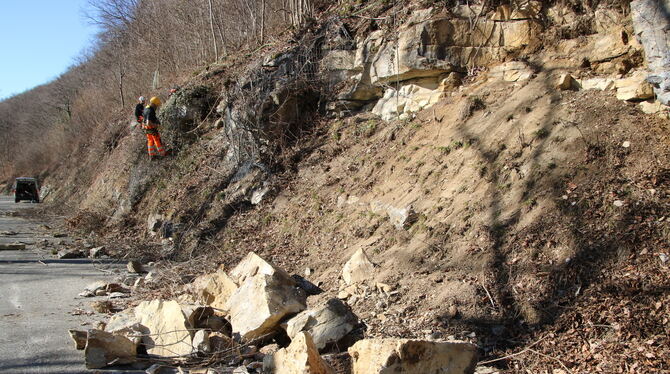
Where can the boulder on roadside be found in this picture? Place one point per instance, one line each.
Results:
(358, 269)
(300, 357)
(214, 289)
(103, 349)
(386, 356)
(168, 328)
(261, 301)
(326, 324)
(253, 265)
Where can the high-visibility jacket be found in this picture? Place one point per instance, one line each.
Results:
(151, 121)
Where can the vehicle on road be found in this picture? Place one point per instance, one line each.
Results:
(26, 189)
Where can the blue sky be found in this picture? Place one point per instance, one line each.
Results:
(39, 40)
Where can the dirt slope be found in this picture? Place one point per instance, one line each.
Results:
(535, 209)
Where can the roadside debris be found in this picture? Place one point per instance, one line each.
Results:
(252, 319)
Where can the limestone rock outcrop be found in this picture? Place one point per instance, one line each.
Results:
(652, 26)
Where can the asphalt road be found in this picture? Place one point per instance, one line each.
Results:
(38, 297)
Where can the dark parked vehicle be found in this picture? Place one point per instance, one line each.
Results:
(26, 189)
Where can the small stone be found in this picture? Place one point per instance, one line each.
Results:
(626, 144)
(663, 257)
(358, 269)
(241, 370)
(117, 295)
(567, 82)
(139, 282)
(201, 342)
(618, 203)
(309, 271)
(70, 254)
(97, 252)
(102, 306)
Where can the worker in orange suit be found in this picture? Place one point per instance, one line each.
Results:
(150, 126)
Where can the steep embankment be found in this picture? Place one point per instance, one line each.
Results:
(502, 202)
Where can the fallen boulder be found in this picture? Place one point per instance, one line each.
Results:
(386, 356)
(168, 328)
(300, 357)
(261, 301)
(358, 269)
(326, 324)
(253, 265)
(214, 289)
(105, 349)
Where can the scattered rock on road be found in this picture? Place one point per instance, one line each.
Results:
(104, 349)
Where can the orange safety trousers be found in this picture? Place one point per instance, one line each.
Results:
(154, 145)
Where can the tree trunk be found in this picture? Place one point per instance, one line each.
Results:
(262, 21)
(211, 26)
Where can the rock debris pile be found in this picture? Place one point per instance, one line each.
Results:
(255, 319)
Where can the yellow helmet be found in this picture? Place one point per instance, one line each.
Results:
(155, 101)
